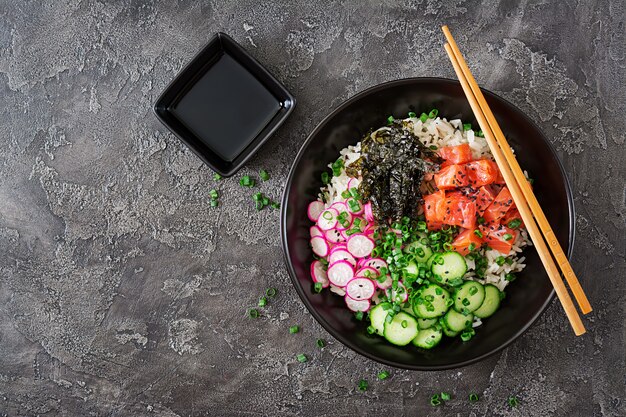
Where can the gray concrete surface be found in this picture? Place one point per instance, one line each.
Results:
(123, 293)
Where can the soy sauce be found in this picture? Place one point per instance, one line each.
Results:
(227, 107)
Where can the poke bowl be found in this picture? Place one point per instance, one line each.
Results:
(399, 233)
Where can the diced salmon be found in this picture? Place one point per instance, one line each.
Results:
(498, 208)
(481, 172)
(434, 209)
(450, 177)
(483, 198)
(459, 211)
(459, 154)
(512, 214)
(495, 236)
(463, 241)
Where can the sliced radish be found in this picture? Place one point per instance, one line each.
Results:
(369, 231)
(318, 273)
(376, 263)
(338, 290)
(320, 246)
(354, 206)
(328, 219)
(360, 289)
(360, 245)
(385, 284)
(316, 231)
(341, 255)
(360, 263)
(367, 211)
(399, 294)
(314, 210)
(346, 218)
(334, 236)
(357, 305)
(367, 272)
(339, 246)
(353, 183)
(340, 273)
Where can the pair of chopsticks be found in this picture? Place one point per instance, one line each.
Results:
(535, 220)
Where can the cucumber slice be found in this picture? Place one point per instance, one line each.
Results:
(428, 338)
(411, 269)
(456, 321)
(406, 307)
(426, 323)
(446, 330)
(401, 329)
(469, 297)
(421, 252)
(490, 303)
(431, 301)
(378, 314)
(448, 268)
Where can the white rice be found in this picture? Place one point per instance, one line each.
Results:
(441, 132)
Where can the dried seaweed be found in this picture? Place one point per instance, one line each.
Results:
(393, 163)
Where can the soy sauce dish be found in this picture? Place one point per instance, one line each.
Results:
(400, 235)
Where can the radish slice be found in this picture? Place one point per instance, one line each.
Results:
(316, 231)
(376, 263)
(347, 218)
(354, 206)
(369, 232)
(337, 290)
(328, 219)
(338, 246)
(359, 223)
(357, 305)
(360, 263)
(320, 246)
(360, 289)
(400, 294)
(360, 245)
(334, 236)
(352, 183)
(340, 273)
(318, 273)
(385, 284)
(367, 272)
(367, 211)
(314, 210)
(341, 255)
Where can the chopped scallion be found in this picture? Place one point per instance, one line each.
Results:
(294, 329)
(302, 358)
(264, 175)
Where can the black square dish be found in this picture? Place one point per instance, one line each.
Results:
(224, 105)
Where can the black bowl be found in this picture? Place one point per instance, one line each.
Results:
(526, 298)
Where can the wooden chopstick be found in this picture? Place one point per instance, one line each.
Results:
(516, 193)
(540, 217)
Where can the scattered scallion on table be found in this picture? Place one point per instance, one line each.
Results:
(217, 176)
(246, 181)
(294, 329)
(262, 302)
(271, 292)
(473, 397)
(434, 400)
(445, 396)
(302, 358)
(321, 343)
(363, 385)
(264, 175)
(383, 375)
(513, 401)
(253, 313)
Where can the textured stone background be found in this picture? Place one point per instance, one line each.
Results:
(123, 293)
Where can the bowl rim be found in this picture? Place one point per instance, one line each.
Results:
(300, 289)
